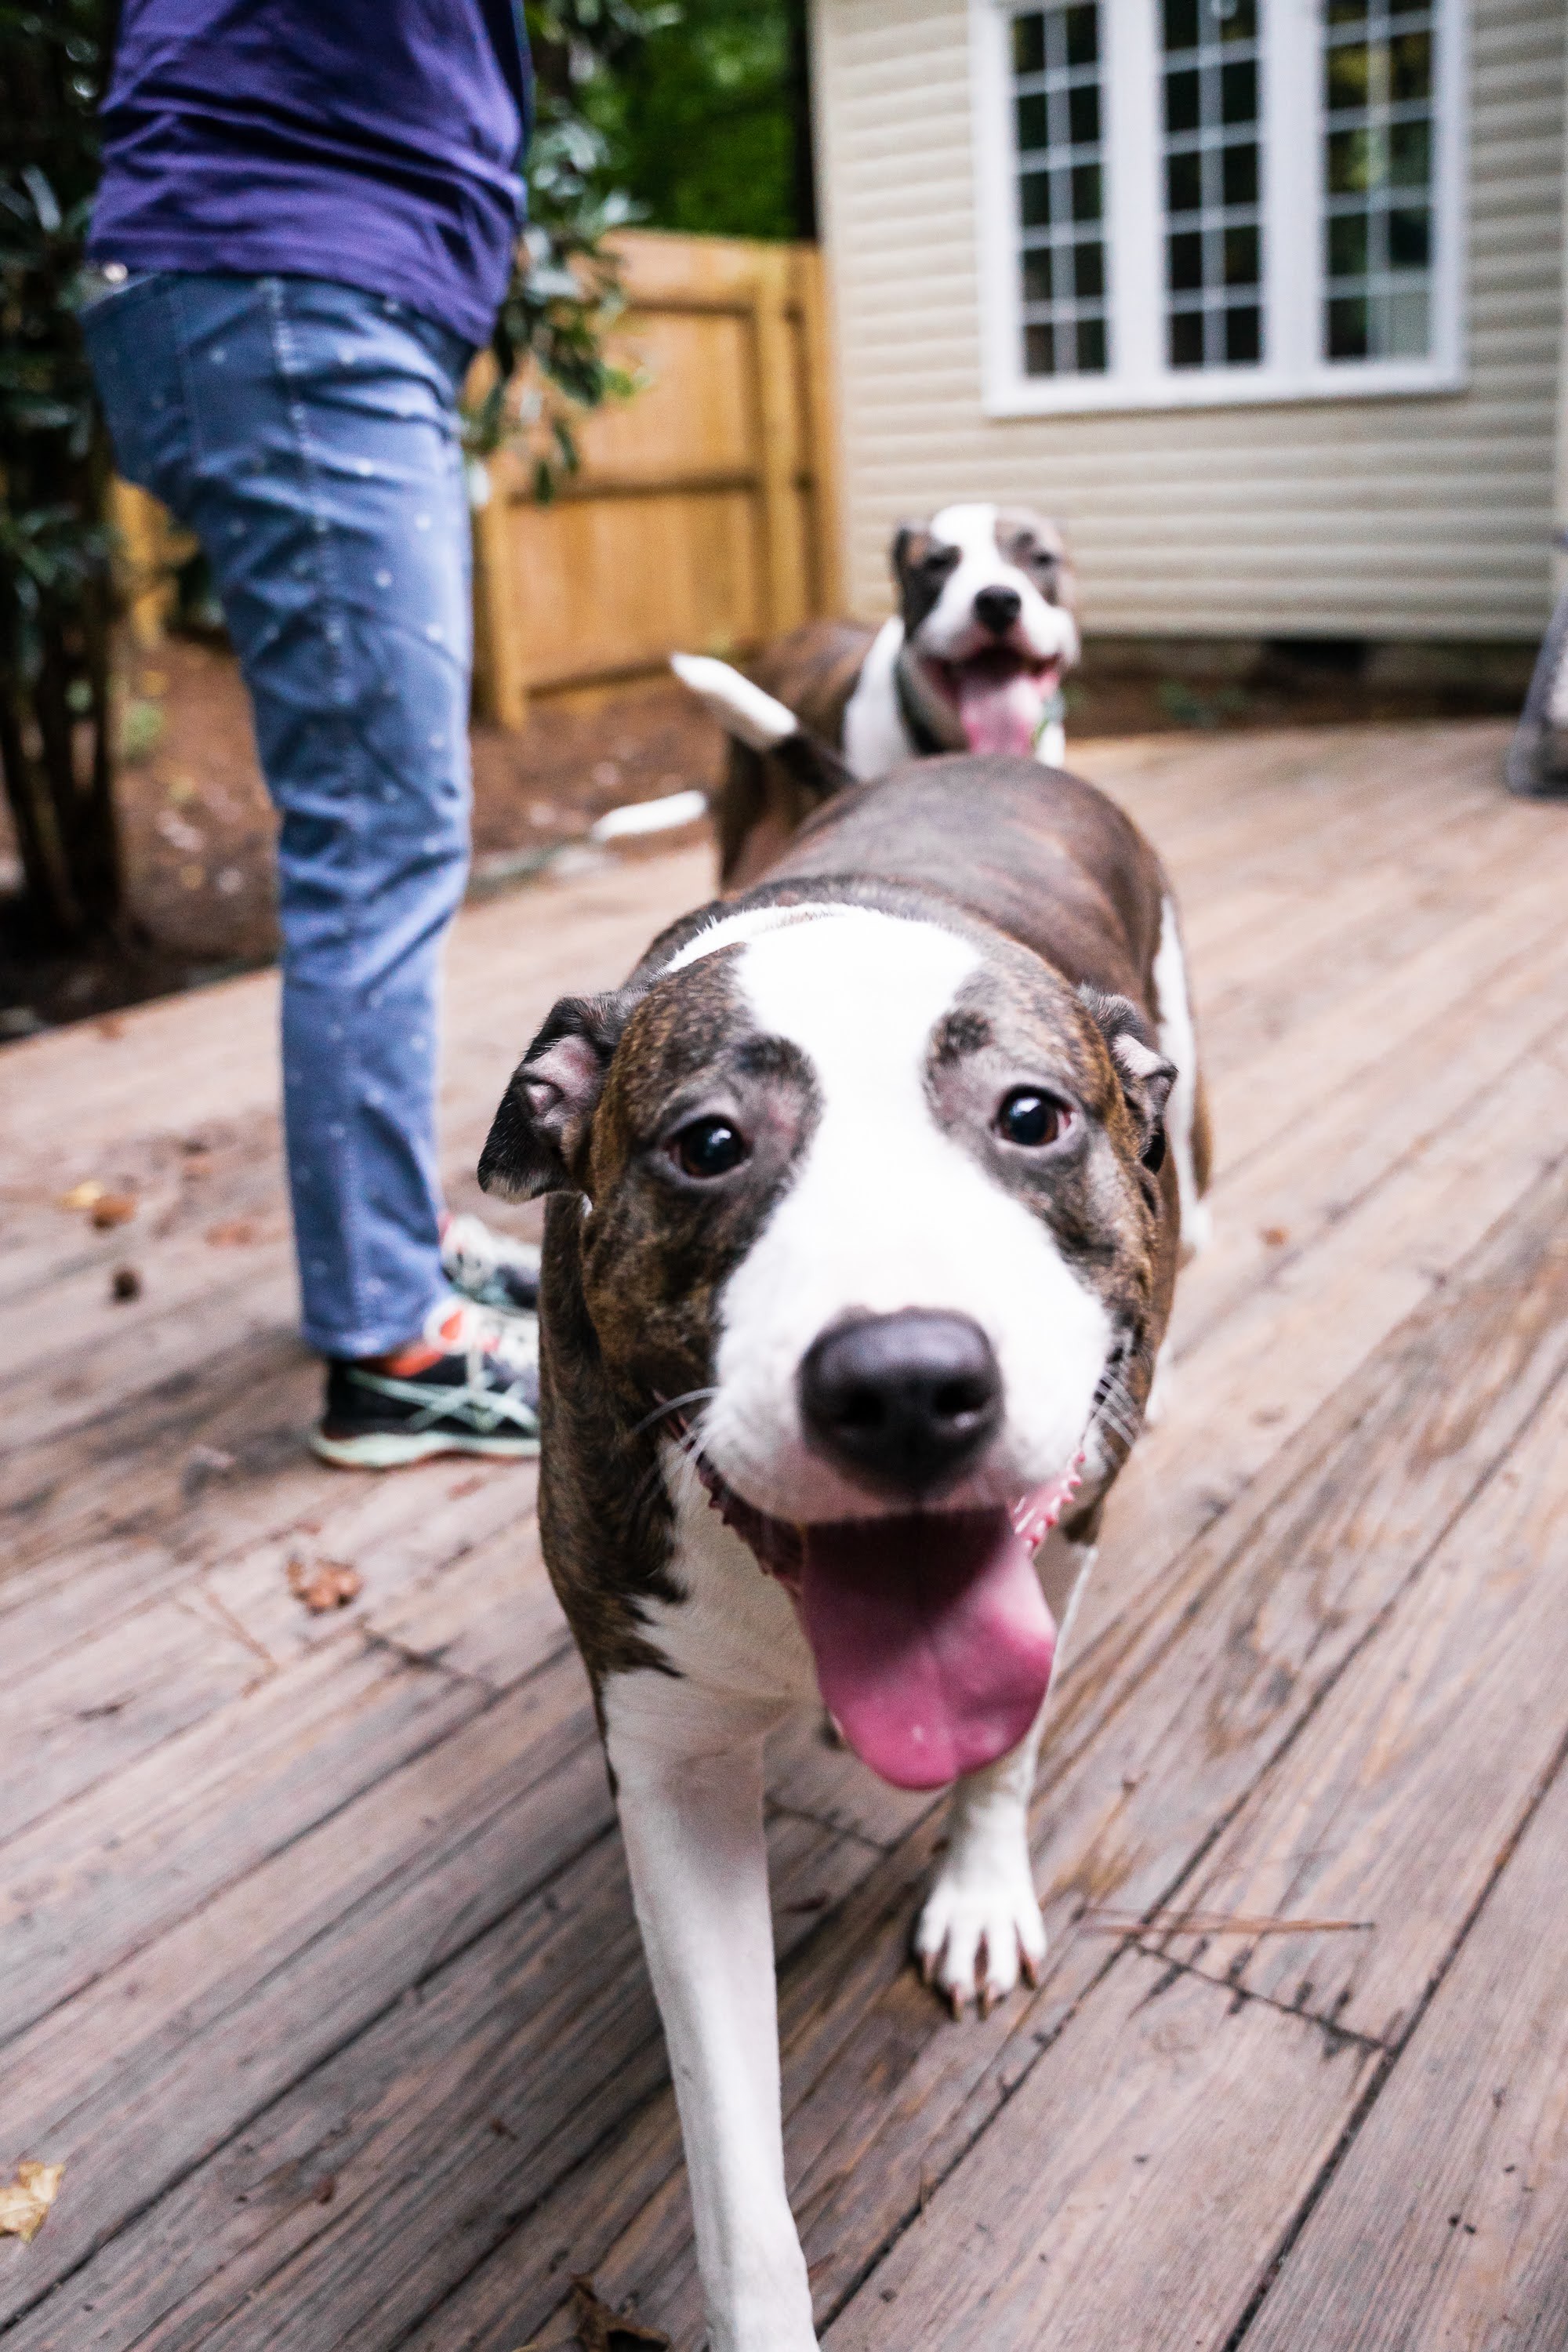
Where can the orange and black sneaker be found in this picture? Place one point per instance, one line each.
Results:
(470, 1384)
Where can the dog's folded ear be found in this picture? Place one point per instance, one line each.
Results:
(1146, 1075)
(537, 1135)
(912, 545)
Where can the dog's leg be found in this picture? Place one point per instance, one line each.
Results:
(980, 1920)
(1179, 1044)
(689, 1785)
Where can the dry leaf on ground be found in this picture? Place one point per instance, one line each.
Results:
(26, 2200)
(112, 1209)
(323, 1584)
(600, 2329)
(235, 1233)
(83, 1195)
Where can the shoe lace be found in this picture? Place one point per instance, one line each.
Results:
(472, 1250)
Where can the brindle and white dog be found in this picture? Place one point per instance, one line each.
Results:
(861, 1254)
(973, 659)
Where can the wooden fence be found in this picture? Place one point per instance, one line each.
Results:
(706, 514)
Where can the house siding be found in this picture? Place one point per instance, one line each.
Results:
(1399, 517)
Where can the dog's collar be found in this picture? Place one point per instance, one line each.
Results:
(1053, 713)
(917, 727)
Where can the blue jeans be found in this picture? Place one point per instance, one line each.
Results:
(307, 433)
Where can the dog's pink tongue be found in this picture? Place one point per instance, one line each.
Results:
(999, 714)
(933, 1640)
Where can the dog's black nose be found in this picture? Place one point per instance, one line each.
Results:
(905, 1403)
(996, 609)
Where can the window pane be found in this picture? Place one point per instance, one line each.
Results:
(1059, 121)
(1410, 76)
(1180, 25)
(1214, 256)
(1082, 30)
(1378, 96)
(1086, 192)
(1347, 245)
(1238, 180)
(1039, 351)
(1181, 101)
(1088, 271)
(1244, 336)
(1239, 93)
(1409, 239)
(1241, 257)
(1035, 199)
(1083, 115)
(1185, 258)
(1188, 339)
(1183, 184)
(1032, 130)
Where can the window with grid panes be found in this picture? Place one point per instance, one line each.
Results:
(1377, 170)
(1191, 201)
(1058, 127)
(1214, 253)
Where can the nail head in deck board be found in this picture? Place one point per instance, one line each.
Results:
(1417, 1770)
(1377, 2267)
(1048, 2232)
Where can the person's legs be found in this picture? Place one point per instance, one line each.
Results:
(308, 432)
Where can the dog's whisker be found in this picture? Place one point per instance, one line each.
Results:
(672, 1405)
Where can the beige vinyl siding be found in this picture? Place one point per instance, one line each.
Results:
(1412, 516)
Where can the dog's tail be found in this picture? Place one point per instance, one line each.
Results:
(762, 723)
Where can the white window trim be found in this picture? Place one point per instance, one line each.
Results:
(1292, 195)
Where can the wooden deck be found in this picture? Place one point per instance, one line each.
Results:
(317, 1966)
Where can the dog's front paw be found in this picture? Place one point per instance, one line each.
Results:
(979, 1930)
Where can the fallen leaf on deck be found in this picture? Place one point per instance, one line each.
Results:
(323, 1584)
(235, 1232)
(26, 2200)
(83, 1195)
(600, 2329)
(124, 1283)
(1276, 1236)
(112, 1209)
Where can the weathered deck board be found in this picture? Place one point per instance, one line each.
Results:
(286, 1902)
(1446, 2228)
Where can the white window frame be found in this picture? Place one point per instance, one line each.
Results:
(1138, 375)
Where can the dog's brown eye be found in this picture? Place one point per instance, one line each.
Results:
(1029, 1118)
(709, 1147)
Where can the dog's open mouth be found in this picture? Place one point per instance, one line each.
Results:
(1003, 698)
(931, 1638)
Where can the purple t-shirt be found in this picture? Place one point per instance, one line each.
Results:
(373, 141)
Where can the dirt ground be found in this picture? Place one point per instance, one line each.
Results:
(198, 828)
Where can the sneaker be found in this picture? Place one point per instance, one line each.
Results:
(470, 1384)
(489, 1267)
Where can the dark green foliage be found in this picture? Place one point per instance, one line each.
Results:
(54, 472)
(705, 125)
(565, 292)
(55, 581)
